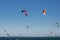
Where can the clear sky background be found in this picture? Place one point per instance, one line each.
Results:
(12, 20)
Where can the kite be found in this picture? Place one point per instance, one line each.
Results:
(56, 24)
(25, 12)
(44, 11)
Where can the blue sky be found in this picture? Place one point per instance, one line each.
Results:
(15, 22)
